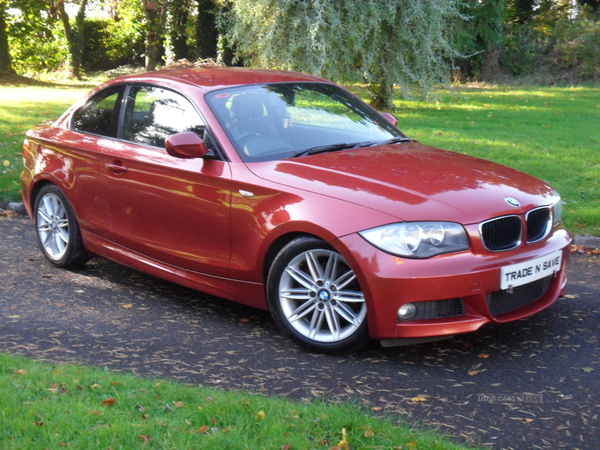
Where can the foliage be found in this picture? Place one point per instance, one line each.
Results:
(36, 40)
(478, 37)
(74, 34)
(5, 58)
(563, 50)
(178, 34)
(381, 43)
(126, 34)
(56, 406)
(206, 29)
(110, 44)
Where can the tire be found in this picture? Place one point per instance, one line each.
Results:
(57, 230)
(315, 298)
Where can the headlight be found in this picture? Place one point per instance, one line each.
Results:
(418, 239)
(557, 212)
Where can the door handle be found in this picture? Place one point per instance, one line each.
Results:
(117, 168)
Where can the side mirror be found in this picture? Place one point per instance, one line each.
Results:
(186, 145)
(390, 118)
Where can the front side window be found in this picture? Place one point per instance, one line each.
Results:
(154, 114)
(101, 114)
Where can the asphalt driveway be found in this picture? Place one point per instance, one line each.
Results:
(533, 384)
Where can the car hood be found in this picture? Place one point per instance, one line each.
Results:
(412, 181)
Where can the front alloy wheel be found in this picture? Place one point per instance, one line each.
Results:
(315, 297)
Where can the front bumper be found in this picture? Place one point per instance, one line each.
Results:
(454, 293)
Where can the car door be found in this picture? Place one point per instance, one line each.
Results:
(86, 148)
(175, 211)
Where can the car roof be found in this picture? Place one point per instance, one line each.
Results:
(211, 78)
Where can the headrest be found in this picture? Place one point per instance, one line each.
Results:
(247, 106)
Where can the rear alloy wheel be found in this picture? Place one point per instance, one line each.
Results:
(315, 297)
(57, 229)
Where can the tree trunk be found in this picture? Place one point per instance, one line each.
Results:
(74, 37)
(5, 59)
(381, 95)
(155, 14)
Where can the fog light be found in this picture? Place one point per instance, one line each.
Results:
(407, 312)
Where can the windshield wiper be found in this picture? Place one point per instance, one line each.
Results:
(345, 145)
(324, 148)
(395, 140)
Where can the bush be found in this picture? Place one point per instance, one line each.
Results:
(36, 49)
(108, 45)
(564, 52)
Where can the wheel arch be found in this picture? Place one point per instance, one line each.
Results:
(276, 247)
(35, 190)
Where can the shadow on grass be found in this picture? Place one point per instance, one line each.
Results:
(14, 80)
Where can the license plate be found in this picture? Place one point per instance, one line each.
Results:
(528, 271)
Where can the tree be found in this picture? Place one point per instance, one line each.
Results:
(5, 59)
(593, 5)
(155, 11)
(178, 19)
(206, 29)
(479, 37)
(384, 43)
(74, 36)
(521, 11)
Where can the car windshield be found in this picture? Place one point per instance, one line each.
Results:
(285, 120)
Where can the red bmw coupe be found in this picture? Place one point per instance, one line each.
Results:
(286, 192)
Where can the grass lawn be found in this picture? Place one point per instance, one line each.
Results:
(69, 406)
(20, 109)
(551, 133)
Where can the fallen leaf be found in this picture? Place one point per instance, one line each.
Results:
(21, 371)
(587, 369)
(344, 444)
(261, 415)
(369, 433)
(145, 438)
(419, 399)
(483, 356)
(109, 401)
(203, 429)
(179, 405)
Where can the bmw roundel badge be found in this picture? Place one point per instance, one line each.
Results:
(512, 201)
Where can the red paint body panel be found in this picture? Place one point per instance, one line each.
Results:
(214, 224)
